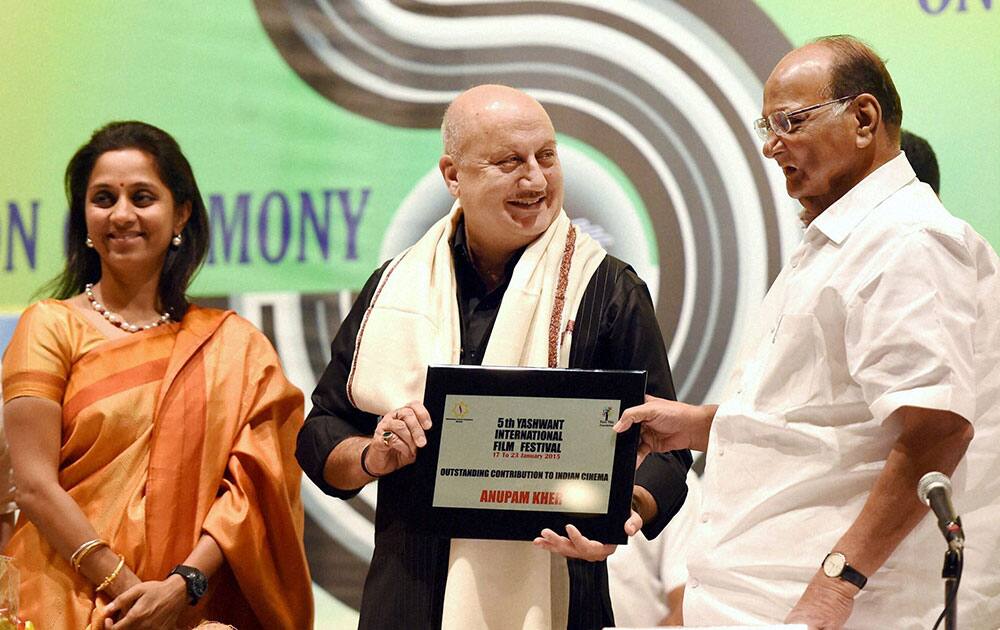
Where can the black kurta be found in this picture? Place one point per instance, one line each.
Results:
(615, 328)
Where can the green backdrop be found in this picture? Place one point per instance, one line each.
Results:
(209, 74)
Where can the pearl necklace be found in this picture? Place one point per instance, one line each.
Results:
(116, 319)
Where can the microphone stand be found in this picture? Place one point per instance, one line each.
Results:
(952, 573)
(934, 490)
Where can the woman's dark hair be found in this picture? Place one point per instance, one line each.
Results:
(83, 264)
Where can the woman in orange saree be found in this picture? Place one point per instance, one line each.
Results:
(154, 463)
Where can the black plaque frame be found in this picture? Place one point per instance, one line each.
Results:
(499, 524)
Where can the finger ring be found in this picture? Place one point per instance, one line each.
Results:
(387, 437)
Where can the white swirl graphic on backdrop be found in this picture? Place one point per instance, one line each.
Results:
(665, 90)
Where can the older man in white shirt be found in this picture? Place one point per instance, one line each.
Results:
(876, 359)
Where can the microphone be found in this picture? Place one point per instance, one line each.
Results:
(934, 489)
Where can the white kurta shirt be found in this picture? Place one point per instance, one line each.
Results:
(889, 301)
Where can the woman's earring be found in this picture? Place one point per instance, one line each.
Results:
(176, 241)
(89, 243)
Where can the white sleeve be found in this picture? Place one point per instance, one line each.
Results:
(910, 327)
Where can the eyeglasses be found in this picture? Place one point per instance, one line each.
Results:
(780, 122)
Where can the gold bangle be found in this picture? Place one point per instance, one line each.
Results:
(111, 577)
(85, 550)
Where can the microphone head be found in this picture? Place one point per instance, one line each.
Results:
(930, 481)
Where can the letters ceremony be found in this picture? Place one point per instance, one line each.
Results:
(500, 314)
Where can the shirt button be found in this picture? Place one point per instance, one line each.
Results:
(722, 452)
(705, 517)
(694, 583)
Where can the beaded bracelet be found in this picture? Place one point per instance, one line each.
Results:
(85, 550)
(111, 577)
(364, 453)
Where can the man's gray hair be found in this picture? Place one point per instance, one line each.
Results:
(859, 70)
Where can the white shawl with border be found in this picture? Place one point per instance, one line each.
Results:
(413, 322)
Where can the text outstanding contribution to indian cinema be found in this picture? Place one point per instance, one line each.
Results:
(526, 453)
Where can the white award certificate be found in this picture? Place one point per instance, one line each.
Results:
(526, 453)
(515, 450)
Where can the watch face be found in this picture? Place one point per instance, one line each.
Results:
(833, 565)
(198, 584)
(195, 580)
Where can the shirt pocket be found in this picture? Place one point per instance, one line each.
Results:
(793, 372)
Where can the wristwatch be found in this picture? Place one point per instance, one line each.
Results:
(196, 581)
(835, 566)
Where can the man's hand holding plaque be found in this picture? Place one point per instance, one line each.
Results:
(576, 545)
(396, 439)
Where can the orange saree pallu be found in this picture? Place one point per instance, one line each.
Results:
(168, 434)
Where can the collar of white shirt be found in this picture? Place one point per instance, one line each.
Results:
(837, 221)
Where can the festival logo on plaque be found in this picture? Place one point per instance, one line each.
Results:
(460, 412)
(607, 420)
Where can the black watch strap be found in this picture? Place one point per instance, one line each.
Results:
(195, 580)
(852, 575)
(835, 565)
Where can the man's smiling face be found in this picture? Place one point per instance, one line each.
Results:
(509, 178)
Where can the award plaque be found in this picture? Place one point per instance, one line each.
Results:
(515, 450)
